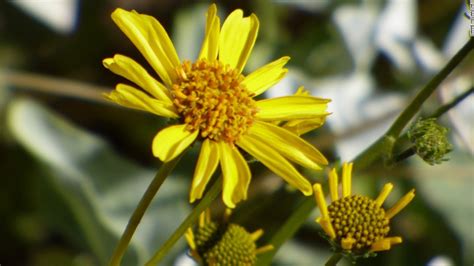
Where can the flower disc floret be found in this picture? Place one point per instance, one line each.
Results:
(358, 217)
(212, 99)
(232, 245)
(224, 243)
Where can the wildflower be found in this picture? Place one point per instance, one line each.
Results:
(356, 225)
(215, 104)
(224, 243)
(430, 140)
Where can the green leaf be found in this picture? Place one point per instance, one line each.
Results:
(100, 188)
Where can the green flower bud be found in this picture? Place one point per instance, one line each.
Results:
(430, 140)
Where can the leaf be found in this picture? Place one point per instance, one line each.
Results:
(100, 188)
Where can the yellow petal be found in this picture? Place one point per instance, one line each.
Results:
(151, 39)
(256, 235)
(131, 70)
(237, 38)
(131, 97)
(346, 243)
(320, 200)
(236, 174)
(385, 244)
(264, 249)
(189, 235)
(327, 226)
(210, 43)
(205, 167)
(172, 141)
(291, 107)
(333, 185)
(346, 179)
(303, 126)
(401, 203)
(275, 162)
(383, 194)
(288, 144)
(265, 77)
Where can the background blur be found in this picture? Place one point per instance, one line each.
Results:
(73, 166)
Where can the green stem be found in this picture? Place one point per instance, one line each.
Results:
(405, 154)
(414, 106)
(383, 144)
(443, 109)
(188, 222)
(334, 259)
(137, 215)
(439, 112)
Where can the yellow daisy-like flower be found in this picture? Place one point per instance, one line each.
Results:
(357, 225)
(215, 102)
(223, 244)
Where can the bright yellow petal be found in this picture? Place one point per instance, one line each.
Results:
(205, 167)
(210, 43)
(303, 126)
(288, 144)
(291, 107)
(172, 141)
(189, 235)
(385, 244)
(265, 77)
(401, 203)
(346, 243)
(320, 200)
(131, 70)
(236, 174)
(256, 235)
(333, 185)
(275, 162)
(151, 39)
(383, 194)
(237, 38)
(324, 220)
(346, 179)
(131, 97)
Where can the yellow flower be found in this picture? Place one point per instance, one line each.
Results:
(357, 225)
(222, 244)
(215, 104)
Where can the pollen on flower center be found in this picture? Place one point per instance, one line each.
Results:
(212, 99)
(358, 218)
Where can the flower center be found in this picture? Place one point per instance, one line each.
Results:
(225, 245)
(212, 99)
(358, 217)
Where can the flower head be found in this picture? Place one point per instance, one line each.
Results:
(357, 225)
(224, 243)
(215, 103)
(430, 140)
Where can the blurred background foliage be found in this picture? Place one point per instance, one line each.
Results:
(73, 167)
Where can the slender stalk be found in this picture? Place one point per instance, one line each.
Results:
(428, 89)
(376, 149)
(383, 145)
(53, 85)
(334, 259)
(188, 222)
(446, 107)
(405, 154)
(138, 213)
(439, 112)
